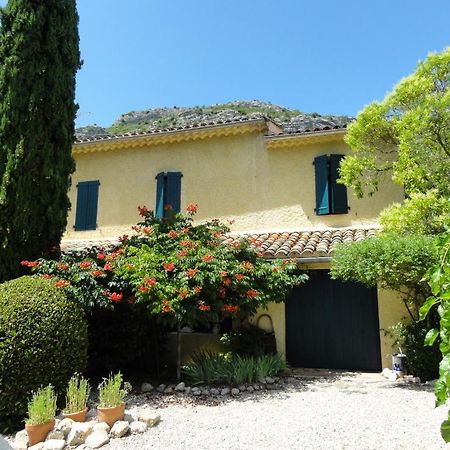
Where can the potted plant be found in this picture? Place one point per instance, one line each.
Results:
(41, 415)
(77, 395)
(111, 405)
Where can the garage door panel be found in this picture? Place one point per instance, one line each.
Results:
(331, 324)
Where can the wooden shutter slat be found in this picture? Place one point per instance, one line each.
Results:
(322, 188)
(339, 202)
(159, 207)
(174, 190)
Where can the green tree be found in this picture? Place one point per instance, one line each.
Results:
(406, 137)
(39, 58)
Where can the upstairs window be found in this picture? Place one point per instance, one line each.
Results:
(168, 192)
(87, 202)
(331, 197)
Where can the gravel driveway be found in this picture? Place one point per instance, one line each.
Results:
(338, 411)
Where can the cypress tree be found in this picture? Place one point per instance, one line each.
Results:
(39, 57)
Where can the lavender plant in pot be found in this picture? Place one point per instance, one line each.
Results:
(77, 395)
(111, 396)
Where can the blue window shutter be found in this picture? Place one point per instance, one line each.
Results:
(339, 203)
(87, 204)
(159, 207)
(322, 185)
(174, 190)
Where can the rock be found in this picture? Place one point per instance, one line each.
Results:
(119, 429)
(79, 433)
(129, 418)
(262, 380)
(55, 434)
(235, 391)
(146, 387)
(187, 390)
(250, 388)
(270, 380)
(393, 376)
(138, 427)
(196, 391)
(386, 372)
(149, 418)
(97, 439)
(196, 388)
(91, 413)
(168, 390)
(38, 446)
(180, 387)
(205, 391)
(416, 380)
(102, 426)
(21, 440)
(161, 388)
(65, 426)
(54, 444)
(225, 391)
(81, 447)
(256, 387)
(214, 392)
(271, 387)
(242, 387)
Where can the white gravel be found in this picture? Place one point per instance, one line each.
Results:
(343, 411)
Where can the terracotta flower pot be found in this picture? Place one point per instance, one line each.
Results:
(79, 416)
(111, 415)
(38, 433)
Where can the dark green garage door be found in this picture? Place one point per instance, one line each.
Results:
(334, 325)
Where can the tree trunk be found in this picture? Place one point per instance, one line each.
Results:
(179, 352)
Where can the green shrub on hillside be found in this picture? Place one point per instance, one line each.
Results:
(43, 340)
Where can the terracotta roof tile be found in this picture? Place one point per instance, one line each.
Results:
(293, 244)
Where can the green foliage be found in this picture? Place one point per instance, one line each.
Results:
(226, 368)
(421, 361)
(248, 340)
(438, 277)
(187, 275)
(110, 391)
(43, 340)
(42, 407)
(390, 261)
(77, 394)
(422, 213)
(40, 56)
(405, 137)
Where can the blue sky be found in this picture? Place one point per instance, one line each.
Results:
(321, 56)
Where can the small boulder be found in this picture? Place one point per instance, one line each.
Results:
(55, 434)
(149, 418)
(262, 380)
(180, 387)
(242, 387)
(225, 391)
(79, 433)
(214, 392)
(256, 387)
(38, 446)
(97, 439)
(168, 390)
(102, 426)
(54, 444)
(235, 391)
(386, 372)
(416, 380)
(138, 427)
(205, 391)
(65, 426)
(270, 380)
(161, 388)
(187, 390)
(129, 418)
(119, 429)
(21, 440)
(146, 387)
(250, 388)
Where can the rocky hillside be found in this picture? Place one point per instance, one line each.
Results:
(159, 118)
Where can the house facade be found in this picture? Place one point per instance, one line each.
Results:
(279, 190)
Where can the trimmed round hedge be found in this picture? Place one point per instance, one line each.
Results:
(43, 340)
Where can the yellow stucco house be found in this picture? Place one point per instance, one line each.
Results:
(280, 190)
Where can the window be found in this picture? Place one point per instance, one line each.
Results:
(168, 192)
(331, 197)
(87, 201)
